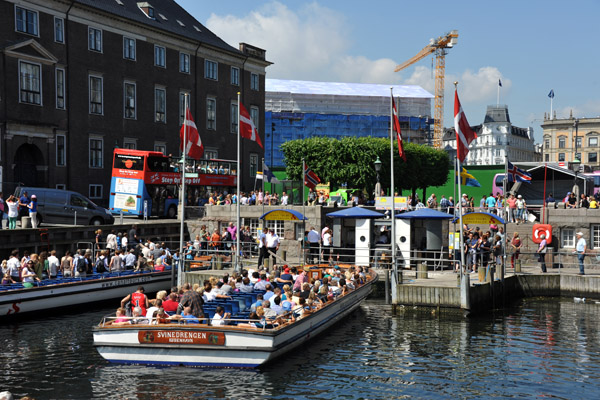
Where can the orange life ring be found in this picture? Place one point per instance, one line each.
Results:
(538, 230)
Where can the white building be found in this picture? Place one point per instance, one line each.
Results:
(496, 138)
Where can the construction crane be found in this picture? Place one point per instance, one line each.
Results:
(437, 46)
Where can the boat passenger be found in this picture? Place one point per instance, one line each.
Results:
(268, 312)
(189, 318)
(246, 287)
(14, 266)
(262, 282)
(130, 259)
(162, 317)
(7, 279)
(285, 277)
(191, 299)
(38, 267)
(153, 308)
(29, 277)
(259, 301)
(121, 317)
(138, 317)
(116, 262)
(220, 316)
(170, 305)
(276, 305)
(138, 299)
(305, 290)
(53, 265)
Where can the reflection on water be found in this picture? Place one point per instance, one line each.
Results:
(545, 347)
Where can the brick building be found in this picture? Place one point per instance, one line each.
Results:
(572, 140)
(81, 77)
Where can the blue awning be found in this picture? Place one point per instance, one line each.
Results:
(424, 213)
(356, 213)
(283, 215)
(481, 218)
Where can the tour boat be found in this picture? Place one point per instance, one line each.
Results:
(202, 345)
(52, 294)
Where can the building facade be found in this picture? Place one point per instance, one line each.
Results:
(571, 140)
(81, 77)
(303, 109)
(497, 137)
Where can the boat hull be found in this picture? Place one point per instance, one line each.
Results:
(23, 302)
(240, 348)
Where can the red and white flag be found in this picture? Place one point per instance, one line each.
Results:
(193, 143)
(464, 134)
(310, 178)
(247, 128)
(398, 131)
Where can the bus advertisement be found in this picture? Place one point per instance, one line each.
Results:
(150, 180)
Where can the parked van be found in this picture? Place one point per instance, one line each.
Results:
(57, 206)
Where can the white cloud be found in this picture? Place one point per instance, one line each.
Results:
(310, 44)
(590, 109)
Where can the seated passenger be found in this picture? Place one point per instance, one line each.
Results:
(121, 317)
(187, 316)
(220, 317)
(259, 301)
(170, 305)
(269, 313)
(162, 317)
(138, 317)
(7, 279)
(276, 306)
(246, 287)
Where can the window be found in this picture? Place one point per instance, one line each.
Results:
(160, 105)
(61, 151)
(578, 156)
(234, 118)
(160, 147)
(59, 30)
(160, 56)
(561, 156)
(128, 48)
(211, 114)
(182, 105)
(277, 227)
(130, 100)
(547, 143)
(235, 76)
(561, 142)
(211, 154)
(254, 82)
(61, 186)
(254, 224)
(254, 116)
(95, 192)
(30, 85)
(593, 141)
(592, 157)
(27, 21)
(578, 141)
(129, 143)
(595, 237)
(96, 153)
(546, 157)
(253, 164)
(96, 98)
(211, 70)
(60, 88)
(94, 39)
(567, 237)
(184, 63)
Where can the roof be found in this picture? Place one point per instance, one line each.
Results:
(424, 213)
(344, 89)
(355, 212)
(172, 12)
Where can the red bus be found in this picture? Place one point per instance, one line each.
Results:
(150, 180)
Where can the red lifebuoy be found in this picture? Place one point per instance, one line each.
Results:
(538, 230)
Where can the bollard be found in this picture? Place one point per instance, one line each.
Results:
(481, 274)
(422, 271)
(25, 222)
(517, 266)
(490, 275)
(219, 265)
(121, 217)
(267, 263)
(284, 255)
(75, 216)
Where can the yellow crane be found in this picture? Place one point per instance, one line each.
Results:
(437, 46)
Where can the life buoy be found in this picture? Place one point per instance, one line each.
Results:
(539, 230)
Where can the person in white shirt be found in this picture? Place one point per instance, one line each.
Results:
(220, 316)
(272, 245)
(111, 241)
(53, 264)
(284, 199)
(313, 242)
(580, 249)
(327, 244)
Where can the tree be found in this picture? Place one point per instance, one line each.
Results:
(350, 160)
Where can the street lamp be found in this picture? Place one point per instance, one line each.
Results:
(377, 165)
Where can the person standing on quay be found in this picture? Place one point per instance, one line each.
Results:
(542, 252)
(580, 250)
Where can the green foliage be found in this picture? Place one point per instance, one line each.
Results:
(350, 160)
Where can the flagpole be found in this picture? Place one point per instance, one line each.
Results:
(498, 96)
(392, 185)
(263, 186)
(237, 267)
(551, 100)
(303, 210)
(460, 211)
(182, 193)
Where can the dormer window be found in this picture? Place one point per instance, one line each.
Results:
(147, 9)
(180, 23)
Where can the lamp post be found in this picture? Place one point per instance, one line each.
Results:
(377, 165)
(576, 161)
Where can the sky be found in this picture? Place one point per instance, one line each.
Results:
(531, 46)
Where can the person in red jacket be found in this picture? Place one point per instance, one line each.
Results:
(138, 299)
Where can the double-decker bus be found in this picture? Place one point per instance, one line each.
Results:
(150, 180)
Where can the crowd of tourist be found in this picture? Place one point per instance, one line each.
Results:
(14, 207)
(284, 296)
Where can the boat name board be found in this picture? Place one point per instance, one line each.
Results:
(181, 337)
(126, 282)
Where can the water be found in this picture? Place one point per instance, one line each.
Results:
(543, 347)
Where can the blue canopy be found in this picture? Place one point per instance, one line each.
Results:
(425, 213)
(481, 218)
(356, 213)
(283, 215)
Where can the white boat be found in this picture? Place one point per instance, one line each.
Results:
(70, 292)
(219, 346)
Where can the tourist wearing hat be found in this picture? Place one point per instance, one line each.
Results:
(580, 249)
(521, 205)
(33, 211)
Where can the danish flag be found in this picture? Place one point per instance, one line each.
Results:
(464, 134)
(397, 129)
(193, 143)
(247, 128)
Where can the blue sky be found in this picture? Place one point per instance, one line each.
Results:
(533, 46)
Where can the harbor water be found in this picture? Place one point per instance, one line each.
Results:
(541, 348)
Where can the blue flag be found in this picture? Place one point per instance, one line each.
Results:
(269, 175)
(551, 94)
(499, 83)
(466, 179)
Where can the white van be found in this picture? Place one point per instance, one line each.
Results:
(57, 206)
